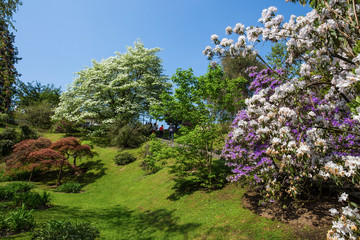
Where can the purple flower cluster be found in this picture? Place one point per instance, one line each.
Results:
(290, 137)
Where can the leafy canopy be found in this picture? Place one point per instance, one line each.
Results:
(123, 86)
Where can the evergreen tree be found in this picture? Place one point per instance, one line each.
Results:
(8, 53)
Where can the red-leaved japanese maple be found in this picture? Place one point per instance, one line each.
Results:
(47, 158)
(19, 159)
(71, 147)
(32, 154)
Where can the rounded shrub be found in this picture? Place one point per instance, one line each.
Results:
(32, 199)
(69, 187)
(8, 191)
(63, 229)
(124, 158)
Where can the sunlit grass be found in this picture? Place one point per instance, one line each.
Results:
(125, 203)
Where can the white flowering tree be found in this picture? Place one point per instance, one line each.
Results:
(123, 86)
(304, 133)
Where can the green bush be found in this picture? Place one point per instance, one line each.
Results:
(8, 191)
(6, 147)
(69, 187)
(27, 133)
(8, 134)
(124, 158)
(18, 220)
(3, 119)
(155, 155)
(31, 199)
(36, 114)
(3, 225)
(125, 135)
(194, 158)
(68, 127)
(59, 230)
(8, 138)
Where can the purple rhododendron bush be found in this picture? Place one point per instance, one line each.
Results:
(300, 134)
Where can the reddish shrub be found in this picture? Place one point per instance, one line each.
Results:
(71, 147)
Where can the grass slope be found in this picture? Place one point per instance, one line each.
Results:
(124, 203)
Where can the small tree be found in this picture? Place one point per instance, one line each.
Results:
(46, 158)
(71, 147)
(20, 158)
(194, 157)
(31, 155)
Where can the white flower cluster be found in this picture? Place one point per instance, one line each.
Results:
(125, 84)
(304, 131)
(349, 168)
(306, 40)
(346, 225)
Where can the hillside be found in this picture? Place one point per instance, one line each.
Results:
(125, 203)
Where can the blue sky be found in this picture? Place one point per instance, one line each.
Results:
(57, 38)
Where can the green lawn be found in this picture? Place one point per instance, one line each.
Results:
(124, 203)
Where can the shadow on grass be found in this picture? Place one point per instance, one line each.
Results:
(183, 187)
(92, 170)
(130, 224)
(89, 172)
(188, 185)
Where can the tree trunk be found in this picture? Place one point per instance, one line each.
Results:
(31, 174)
(59, 175)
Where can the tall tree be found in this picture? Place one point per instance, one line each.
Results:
(185, 105)
(8, 53)
(236, 66)
(35, 103)
(123, 86)
(33, 93)
(277, 59)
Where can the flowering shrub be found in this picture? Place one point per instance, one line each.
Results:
(304, 131)
(288, 144)
(347, 222)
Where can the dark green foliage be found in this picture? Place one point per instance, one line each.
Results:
(6, 147)
(37, 115)
(194, 158)
(125, 135)
(31, 199)
(19, 193)
(35, 103)
(98, 134)
(8, 53)
(8, 191)
(8, 59)
(35, 93)
(124, 158)
(8, 134)
(69, 187)
(68, 127)
(59, 230)
(18, 220)
(7, 9)
(4, 119)
(8, 138)
(27, 133)
(3, 225)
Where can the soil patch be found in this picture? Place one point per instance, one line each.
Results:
(311, 220)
